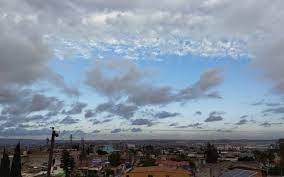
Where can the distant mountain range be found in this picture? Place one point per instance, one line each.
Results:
(37, 142)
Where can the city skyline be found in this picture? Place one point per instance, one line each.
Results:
(122, 69)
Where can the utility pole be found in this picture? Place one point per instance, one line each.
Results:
(50, 159)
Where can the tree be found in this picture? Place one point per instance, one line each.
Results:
(148, 162)
(114, 159)
(67, 163)
(211, 154)
(16, 163)
(281, 146)
(270, 156)
(246, 158)
(183, 157)
(264, 157)
(101, 152)
(108, 172)
(5, 165)
(260, 157)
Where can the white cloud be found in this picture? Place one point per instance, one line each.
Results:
(121, 80)
(140, 29)
(32, 31)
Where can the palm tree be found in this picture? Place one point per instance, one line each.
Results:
(211, 154)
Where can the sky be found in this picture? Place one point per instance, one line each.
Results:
(134, 69)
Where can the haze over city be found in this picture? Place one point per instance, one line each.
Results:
(124, 69)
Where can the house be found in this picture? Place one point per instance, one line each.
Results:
(241, 173)
(156, 171)
(108, 148)
(172, 164)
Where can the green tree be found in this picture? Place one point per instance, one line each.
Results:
(270, 156)
(148, 162)
(101, 152)
(281, 146)
(16, 167)
(67, 163)
(109, 172)
(5, 165)
(192, 164)
(114, 159)
(183, 157)
(264, 157)
(211, 154)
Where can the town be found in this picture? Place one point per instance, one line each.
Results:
(152, 158)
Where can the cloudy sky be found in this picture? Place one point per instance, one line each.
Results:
(134, 69)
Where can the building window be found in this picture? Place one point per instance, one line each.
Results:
(150, 176)
(127, 175)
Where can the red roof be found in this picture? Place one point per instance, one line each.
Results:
(173, 163)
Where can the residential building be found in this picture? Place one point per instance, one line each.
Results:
(156, 171)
